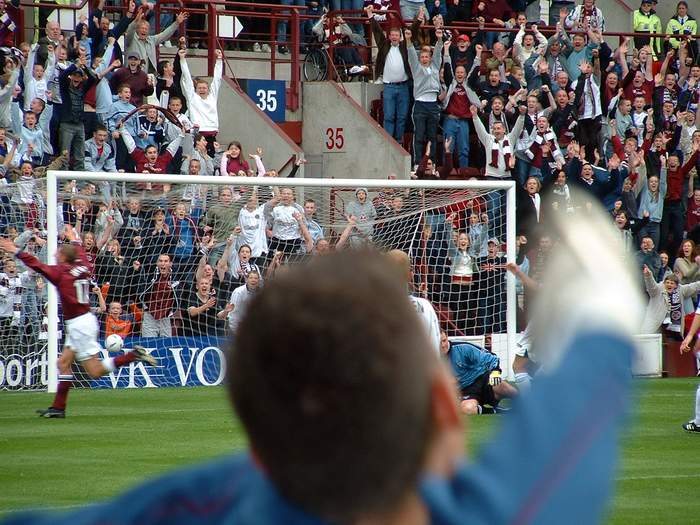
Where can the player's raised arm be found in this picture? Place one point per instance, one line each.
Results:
(50, 272)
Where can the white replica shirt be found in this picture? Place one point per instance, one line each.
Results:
(284, 226)
(239, 299)
(427, 314)
(202, 112)
(253, 225)
(11, 289)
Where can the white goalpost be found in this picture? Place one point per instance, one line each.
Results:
(424, 218)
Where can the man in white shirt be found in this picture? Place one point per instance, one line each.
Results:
(202, 99)
(589, 110)
(240, 298)
(393, 69)
(424, 309)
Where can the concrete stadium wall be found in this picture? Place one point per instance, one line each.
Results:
(240, 119)
(344, 141)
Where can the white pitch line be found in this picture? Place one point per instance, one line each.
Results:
(658, 476)
(169, 411)
(46, 509)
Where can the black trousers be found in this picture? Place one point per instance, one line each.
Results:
(587, 131)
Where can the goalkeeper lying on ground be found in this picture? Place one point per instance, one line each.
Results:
(352, 417)
(478, 375)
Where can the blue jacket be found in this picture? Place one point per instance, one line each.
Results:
(551, 450)
(96, 162)
(469, 362)
(118, 111)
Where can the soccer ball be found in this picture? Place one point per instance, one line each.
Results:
(114, 343)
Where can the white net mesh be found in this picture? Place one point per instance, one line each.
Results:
(174, 265)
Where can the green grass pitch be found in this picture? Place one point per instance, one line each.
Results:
(113, 439)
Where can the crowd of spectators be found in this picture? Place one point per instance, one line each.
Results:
(534, 93)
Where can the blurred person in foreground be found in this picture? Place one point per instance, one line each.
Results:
(370, 418)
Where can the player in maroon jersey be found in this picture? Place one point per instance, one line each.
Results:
(71, 276)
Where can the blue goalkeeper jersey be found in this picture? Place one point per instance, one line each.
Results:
(553, 461)
(469, 362)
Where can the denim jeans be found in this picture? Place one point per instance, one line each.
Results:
(651, 229)
(354, 5)
(409, 10)
(72, 139)
(396, 101)
(524, 170)
(426, 117)
(458, 130)
(282, 24)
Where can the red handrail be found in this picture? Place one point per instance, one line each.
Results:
(293, 15)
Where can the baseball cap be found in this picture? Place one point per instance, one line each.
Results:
(133, 54)
(494, 240)
(463, 38)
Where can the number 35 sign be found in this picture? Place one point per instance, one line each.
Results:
(335, 139)
(269, 96)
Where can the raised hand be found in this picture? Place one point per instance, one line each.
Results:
(7, 245)
(181, 17)
(448, 144)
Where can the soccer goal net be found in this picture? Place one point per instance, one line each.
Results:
(176, 258)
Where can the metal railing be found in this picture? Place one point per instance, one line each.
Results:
(291, 15)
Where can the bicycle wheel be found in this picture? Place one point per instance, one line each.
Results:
(315, 66)
(342, 69)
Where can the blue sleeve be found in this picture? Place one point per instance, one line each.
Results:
(557, 451)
